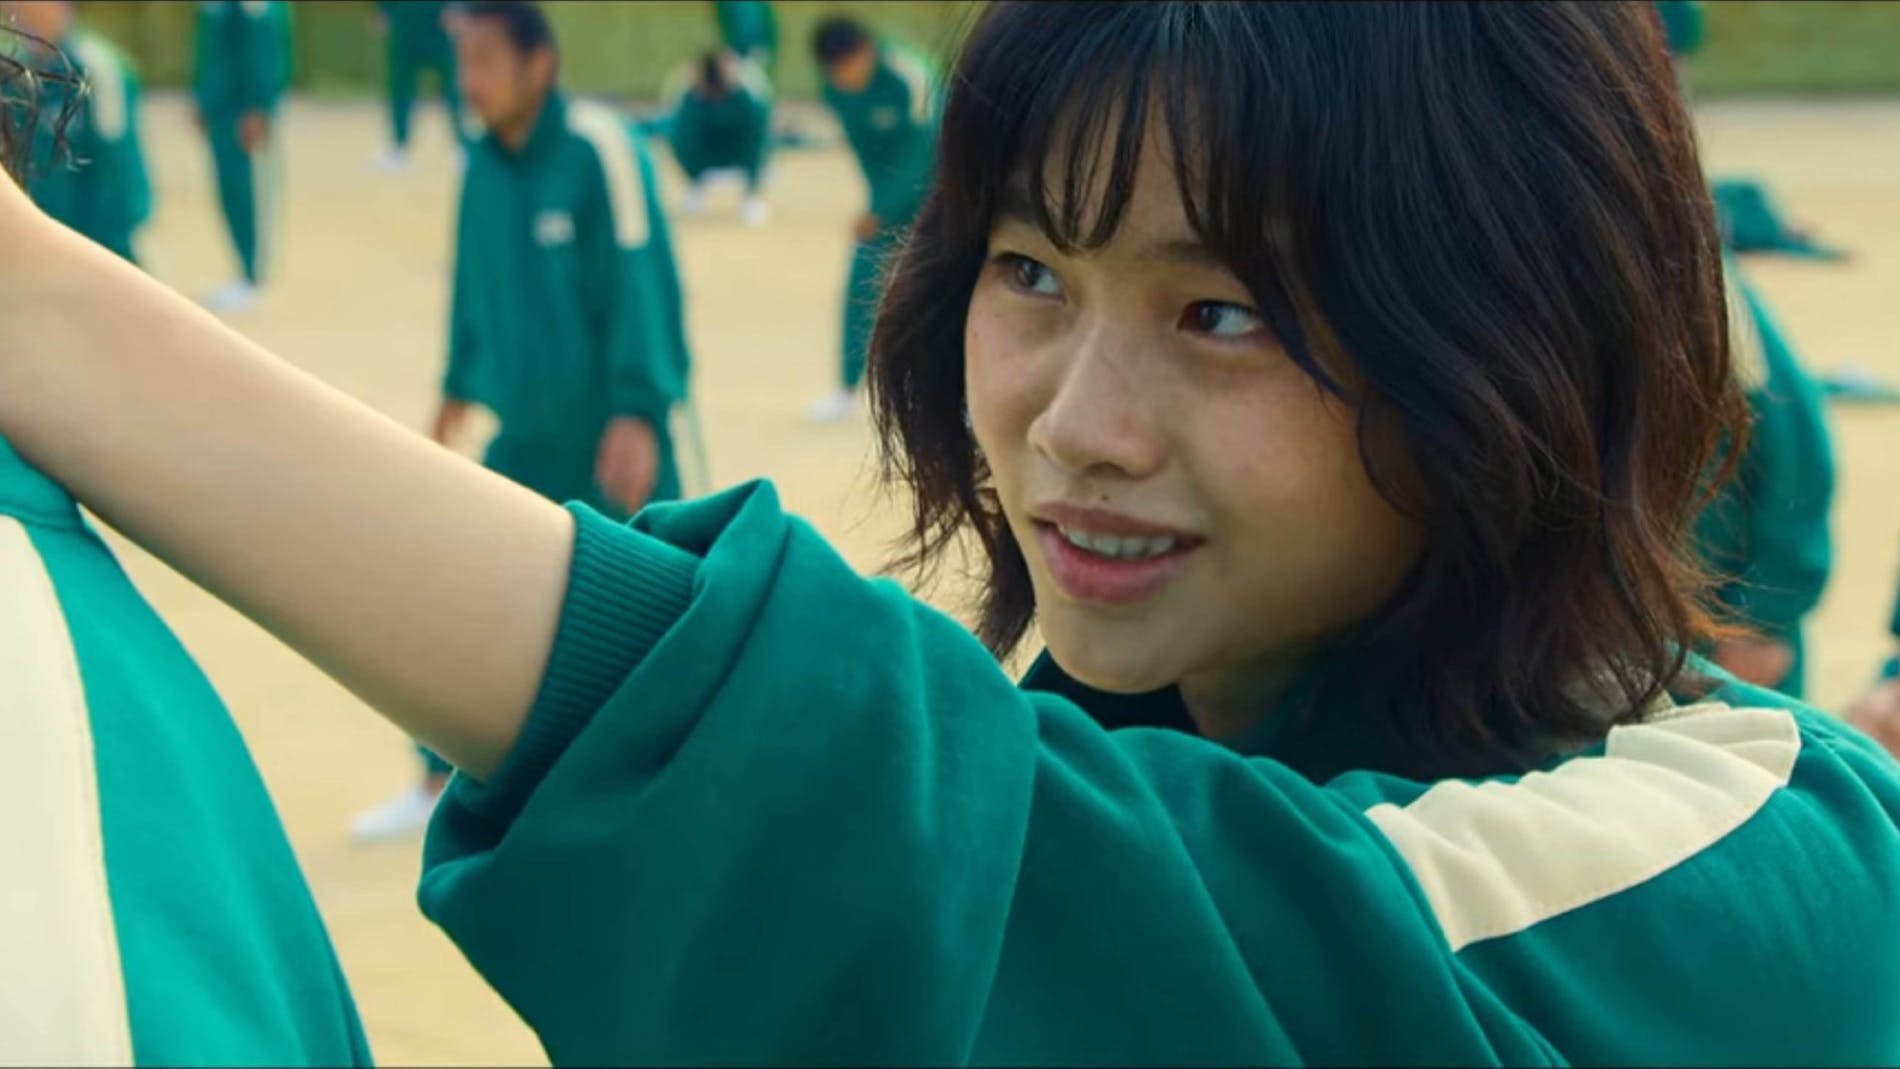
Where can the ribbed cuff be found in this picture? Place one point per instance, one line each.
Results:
(625, 590)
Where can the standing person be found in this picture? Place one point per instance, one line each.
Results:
(154, 912)
(566, 318)
(1340, 443)
(885, 97)
(242, 66)
(95, 179)
(720, 123)
(1766, 534)
(749, 29)
(418, 41)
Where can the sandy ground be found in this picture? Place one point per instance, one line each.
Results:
(360, 299)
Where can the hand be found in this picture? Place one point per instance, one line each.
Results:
(253, 129)
(628, 461)
(1764, 662)
(449, 418)
(866, 227)
(1878, 714)
(198, 119)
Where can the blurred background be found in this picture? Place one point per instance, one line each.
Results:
(1752, 47)
(1802, 98)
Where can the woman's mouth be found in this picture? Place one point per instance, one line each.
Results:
(1119, 566)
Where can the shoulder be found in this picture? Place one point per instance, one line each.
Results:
(614, 146)
(909, 66)
(94, 53)
(916, 76)
(1709, 788)
(111, 80)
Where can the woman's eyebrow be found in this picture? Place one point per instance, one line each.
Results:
(1191, 251)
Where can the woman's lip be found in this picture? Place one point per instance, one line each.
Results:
(1104, 522)
(1095, 579)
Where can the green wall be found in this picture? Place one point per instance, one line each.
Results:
(628, 48)
(624, 48)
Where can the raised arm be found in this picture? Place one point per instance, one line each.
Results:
(426, 585)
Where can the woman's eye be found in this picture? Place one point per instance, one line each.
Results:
(1029, 276)
(1222, 319)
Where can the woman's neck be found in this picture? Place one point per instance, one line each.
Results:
(1229, 701)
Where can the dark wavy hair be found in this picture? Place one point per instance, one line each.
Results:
(1492, 213)
(28, 66)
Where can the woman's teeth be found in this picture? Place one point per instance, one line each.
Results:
(1117, 547)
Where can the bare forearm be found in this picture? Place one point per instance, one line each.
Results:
(428, 586)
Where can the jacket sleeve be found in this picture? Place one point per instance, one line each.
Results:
(1788, 483)
(767, 811)
(643, 377)
(461, 375)
(123, 184)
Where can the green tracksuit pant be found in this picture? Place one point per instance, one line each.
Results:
(407, 61)
(863, 290)
(248, 192)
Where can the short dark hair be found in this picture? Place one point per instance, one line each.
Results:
(712, 72)
(1492, 214)
(838, 37)
(523, 21)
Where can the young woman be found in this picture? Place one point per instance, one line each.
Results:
(1333, 384)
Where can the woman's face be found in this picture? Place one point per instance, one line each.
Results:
(1192, 506)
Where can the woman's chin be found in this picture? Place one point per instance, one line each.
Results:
(1103, 667)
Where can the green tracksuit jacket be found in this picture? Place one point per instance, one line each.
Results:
(242, 65)
(97, 184)
(154, 913)
(1767, 532)
(767, 811)
(567, 308)
(418, 42)
(891, 125)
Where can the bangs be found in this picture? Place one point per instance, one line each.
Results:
(1054, 103)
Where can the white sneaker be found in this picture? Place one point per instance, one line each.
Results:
(391, 160)
(753, 211)
(832, 407)
(694, 201)
(402, 816)
(232, 298)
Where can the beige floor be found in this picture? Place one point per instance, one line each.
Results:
(360, 301)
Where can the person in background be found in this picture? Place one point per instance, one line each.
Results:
(566, 317)
(885, 97)
(750, 29)
(720, 125)
(154, 913)
(91, 174)
(241, 67)
(1766, 533)
(418, 40)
